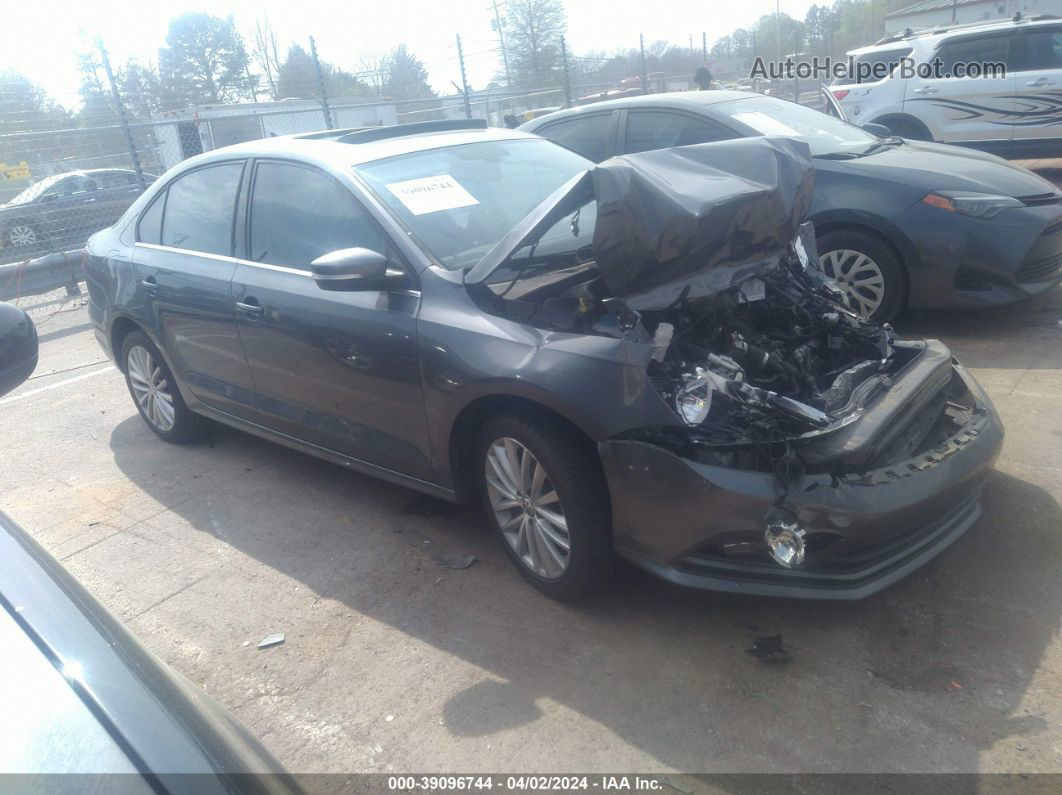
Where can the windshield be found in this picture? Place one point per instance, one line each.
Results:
(461, 200)
(35, 190)
(825, 135)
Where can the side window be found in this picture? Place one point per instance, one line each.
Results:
(659, 129)
(149, 229)
(71, 186)
(299, 213)
(1043, 49)
(200, 207)
(114, 179)
(589, 136)
(975, 49)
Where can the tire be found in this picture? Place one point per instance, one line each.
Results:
(155, 393)
(22, 236)
(909, 128)
(572, 474)
(839, 257)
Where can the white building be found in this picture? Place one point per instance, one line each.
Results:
(930, 13)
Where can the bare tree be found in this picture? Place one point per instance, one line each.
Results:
(534, 28)
(266, 53)
(372, 70)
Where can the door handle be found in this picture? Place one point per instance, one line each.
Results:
(927, 90)
(150, 285)
(1040, 82)
(251, 308)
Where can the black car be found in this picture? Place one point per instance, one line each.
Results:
(639, 357)
(63, 210)
(88, 708)
(900, 223)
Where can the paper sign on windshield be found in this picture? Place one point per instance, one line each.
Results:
(432, 194)
(762, 123)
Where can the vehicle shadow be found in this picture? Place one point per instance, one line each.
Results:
(1013, 337)
(922, 677)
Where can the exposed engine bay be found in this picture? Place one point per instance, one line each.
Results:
(700, 255)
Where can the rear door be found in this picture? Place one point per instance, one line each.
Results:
(1038, 75)
(69, 210)
(963, 109)
(184, 266)
(664, 128)
(339, 370)
(115, 191)
(592, 135)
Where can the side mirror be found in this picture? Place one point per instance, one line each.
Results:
(879, 130)
(355, 270)
(18, 347)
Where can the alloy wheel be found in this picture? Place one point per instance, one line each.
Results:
(150, 388)
(857, 275)
(22, 235)
(527, 508)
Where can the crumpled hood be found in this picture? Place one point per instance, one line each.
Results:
(705, 217)
(716, 213)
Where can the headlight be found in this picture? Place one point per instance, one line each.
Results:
(977, 205)
(694, 400)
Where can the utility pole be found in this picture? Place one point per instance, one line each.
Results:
(567, 77)
(122, 117)
(778, 26)
(321, 86)
(464, 81)
(501, 43)
(645, 77)
(704, 46)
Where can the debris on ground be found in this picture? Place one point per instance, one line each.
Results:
(271, 640)
(1020, 745)
(452, 560)
(769, 649)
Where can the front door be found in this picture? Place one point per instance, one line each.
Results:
(960, 108)
(339, 370)
(183, 265)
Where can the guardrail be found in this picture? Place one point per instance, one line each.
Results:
(42, 275)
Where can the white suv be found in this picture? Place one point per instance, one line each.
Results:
(1018, 114)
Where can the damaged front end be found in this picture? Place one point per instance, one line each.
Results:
(806, 450)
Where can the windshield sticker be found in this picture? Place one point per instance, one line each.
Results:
(431, 194)
(762, 123)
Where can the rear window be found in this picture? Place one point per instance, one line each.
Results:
(870, 67)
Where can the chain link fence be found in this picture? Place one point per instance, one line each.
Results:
(66, 177)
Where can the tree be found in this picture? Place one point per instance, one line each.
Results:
(265, 54)
(533, 31)
(140, 89)
(297, 77)
(204, 61)
(406, 78)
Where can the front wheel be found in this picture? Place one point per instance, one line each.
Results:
(867, 270)
(545, 495)
(22, 236)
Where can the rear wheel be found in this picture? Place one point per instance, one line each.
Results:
(909, 128)
(544, 494)
(155, 392)
(867, 270)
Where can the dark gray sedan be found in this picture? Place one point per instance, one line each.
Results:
(639, 357)
(900, 223)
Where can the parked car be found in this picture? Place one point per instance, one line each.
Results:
(62, 211)
(900, 223)
(1011, 113)
(82, 697)
(638, 357)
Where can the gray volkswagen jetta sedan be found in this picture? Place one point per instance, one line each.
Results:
(636, 358)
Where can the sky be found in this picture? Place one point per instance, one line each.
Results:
(42, 36)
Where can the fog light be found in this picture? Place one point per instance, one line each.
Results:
(785, 541)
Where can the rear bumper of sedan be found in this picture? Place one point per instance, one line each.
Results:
(966, 262)
(702, 525)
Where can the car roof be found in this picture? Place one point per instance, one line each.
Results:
(690, 100)
(337, 153)
(932, 36)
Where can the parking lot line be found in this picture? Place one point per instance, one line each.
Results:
(37, 391)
